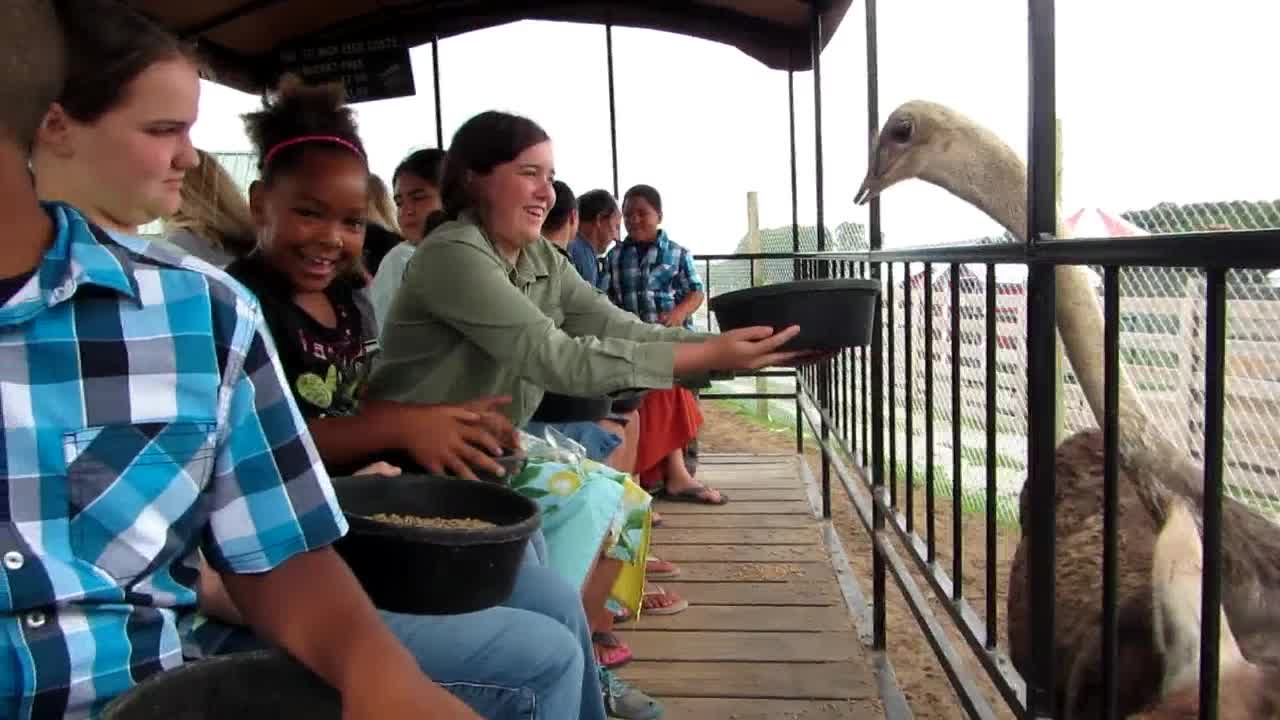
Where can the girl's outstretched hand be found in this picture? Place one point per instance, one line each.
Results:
(750, 348)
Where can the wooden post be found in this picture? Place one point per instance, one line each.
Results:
(755, 245)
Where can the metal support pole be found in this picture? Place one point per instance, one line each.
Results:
(1110, 491)
(613, 110)
(1215, 326)
(878, 569)
(824, 372)
(795, 194)
(815, 47)
(1041, 341)
(795, 232)
(435, 77)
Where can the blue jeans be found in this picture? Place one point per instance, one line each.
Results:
(598, 442)
(530, 659)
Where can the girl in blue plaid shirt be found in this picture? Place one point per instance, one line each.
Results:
(173, 441)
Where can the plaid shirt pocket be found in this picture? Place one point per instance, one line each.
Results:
(133, 492)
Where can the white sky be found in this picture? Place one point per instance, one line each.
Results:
(1160, 100)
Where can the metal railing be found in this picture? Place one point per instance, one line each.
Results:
(843, 401)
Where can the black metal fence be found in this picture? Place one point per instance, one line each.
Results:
(843, 402)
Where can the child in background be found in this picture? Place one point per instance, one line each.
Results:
(143, 414)
(417, 197)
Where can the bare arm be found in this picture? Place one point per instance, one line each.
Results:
(284, 579)
(684, 309)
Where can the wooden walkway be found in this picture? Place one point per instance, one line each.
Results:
(768, 634)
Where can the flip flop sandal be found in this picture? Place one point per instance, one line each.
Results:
(658, 569)
(620, 613)
(693, 495)
(623, 702)
(611, 652)
(674, 606)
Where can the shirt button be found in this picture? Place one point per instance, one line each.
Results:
(14, 560)
(35, 620)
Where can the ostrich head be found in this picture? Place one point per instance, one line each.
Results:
(941, 146)
(912, 136)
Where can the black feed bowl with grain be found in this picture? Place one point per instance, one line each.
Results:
(833, 314)
(434, 570)
(259, 685)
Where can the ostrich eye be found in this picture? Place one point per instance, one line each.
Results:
(901, 133)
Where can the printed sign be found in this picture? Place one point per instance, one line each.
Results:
(371, 69)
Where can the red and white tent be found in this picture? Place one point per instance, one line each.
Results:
(1095, 222)
(1089, 222)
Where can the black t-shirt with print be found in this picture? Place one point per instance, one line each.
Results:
(327, 367)
(378, 241)
(10, 286)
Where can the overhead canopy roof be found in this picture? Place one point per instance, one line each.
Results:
(241, 39)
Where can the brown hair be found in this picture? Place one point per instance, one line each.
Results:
(481, 144)
(427, 164)
(109, 45)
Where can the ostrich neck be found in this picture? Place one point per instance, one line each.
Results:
(981, 169)
(985, 172)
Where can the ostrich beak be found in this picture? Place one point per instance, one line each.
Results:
(870, 189)
(872, 184)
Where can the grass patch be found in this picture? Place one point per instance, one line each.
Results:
(746, 409)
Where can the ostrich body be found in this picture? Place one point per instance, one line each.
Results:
(936, 144)
(1247, 691)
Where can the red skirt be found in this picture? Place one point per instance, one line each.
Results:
(669, 421)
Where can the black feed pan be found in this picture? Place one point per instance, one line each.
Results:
(434, 571)
(260, 685)
(832, 314)
(627, 400)
(557, 408)
(512, 462)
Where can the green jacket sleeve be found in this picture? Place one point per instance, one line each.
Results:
(469, 290)
(589, 312)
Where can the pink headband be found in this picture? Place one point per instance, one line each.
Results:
(310, 138)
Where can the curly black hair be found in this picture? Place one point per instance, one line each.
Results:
(297, 110)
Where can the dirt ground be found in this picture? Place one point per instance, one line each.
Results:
(919, 674)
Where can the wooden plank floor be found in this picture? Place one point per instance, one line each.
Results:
(767, 635)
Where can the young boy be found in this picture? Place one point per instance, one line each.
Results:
(144, 417)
